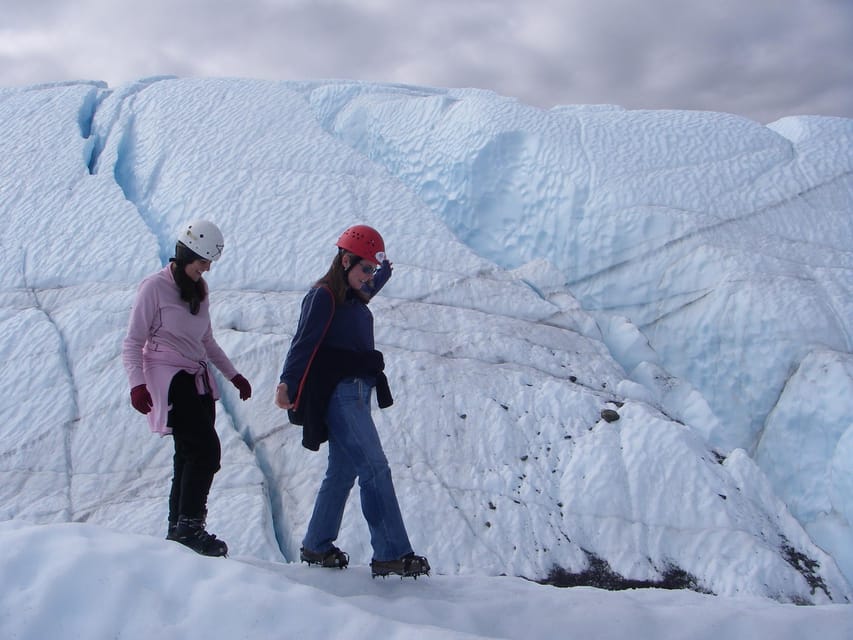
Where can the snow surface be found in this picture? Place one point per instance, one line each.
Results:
(690, 271)
(84, 581)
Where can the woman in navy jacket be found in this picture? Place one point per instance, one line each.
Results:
(329, 373)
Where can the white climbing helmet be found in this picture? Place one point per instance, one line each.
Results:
(203, 238)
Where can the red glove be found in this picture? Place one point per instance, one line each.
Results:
(243, 385)
(141, 399)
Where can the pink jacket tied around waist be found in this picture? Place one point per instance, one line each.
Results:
(164, 338)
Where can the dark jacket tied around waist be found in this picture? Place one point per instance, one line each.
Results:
(328, 368)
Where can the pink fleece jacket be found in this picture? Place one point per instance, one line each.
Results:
(163, 338)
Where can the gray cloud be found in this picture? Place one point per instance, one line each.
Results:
(763, 59)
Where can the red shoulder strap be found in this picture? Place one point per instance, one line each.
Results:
(314, 352)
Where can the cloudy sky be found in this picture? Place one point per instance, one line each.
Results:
(763, 59)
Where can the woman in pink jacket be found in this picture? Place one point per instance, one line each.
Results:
(166, 353)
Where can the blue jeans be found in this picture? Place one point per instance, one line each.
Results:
(355, 451)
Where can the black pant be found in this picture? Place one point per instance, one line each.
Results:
(197, 448)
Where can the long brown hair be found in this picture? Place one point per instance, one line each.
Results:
(192, 292)
(336, 278)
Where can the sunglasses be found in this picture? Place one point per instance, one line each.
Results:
(368, 269)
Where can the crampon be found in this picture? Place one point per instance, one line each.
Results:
(409, 566)
(334, 558)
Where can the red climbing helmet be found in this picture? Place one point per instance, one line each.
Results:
(363, 241)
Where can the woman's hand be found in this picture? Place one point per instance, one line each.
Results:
(141, 399)
(282, 399)
(243, 386)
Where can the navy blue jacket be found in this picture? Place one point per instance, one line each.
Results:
(351, 327)
(347, 350)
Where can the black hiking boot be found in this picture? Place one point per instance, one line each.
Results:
(190, 533)
(334, 558)
(409, 566)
